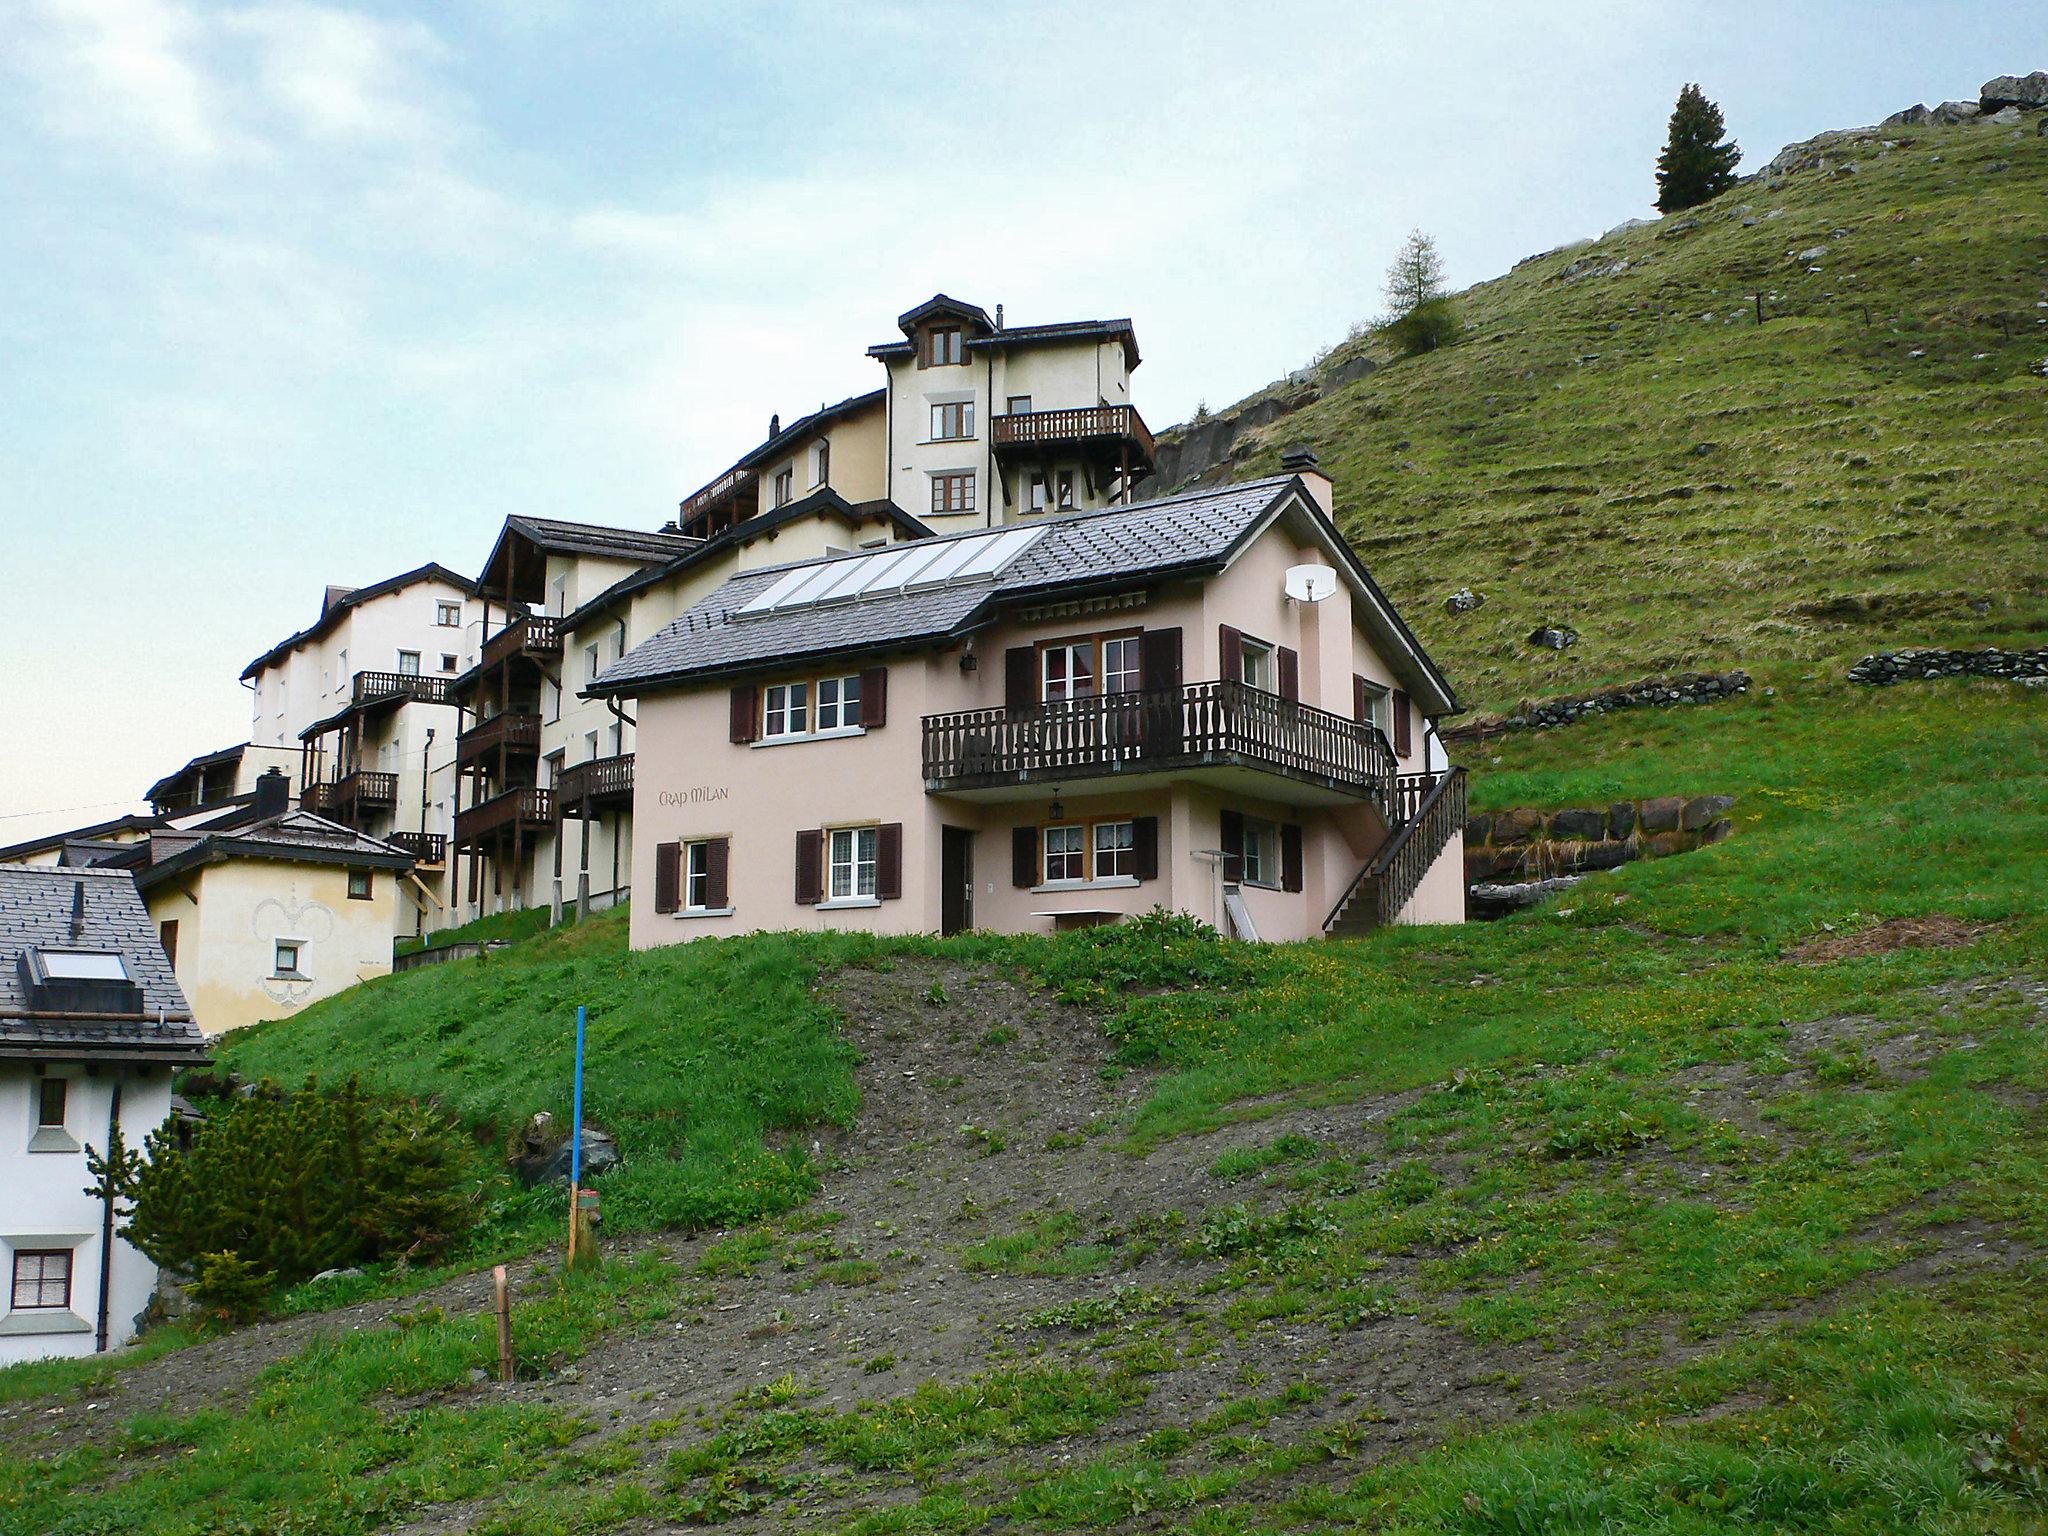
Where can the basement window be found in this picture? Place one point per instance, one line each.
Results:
(287, 960)
(42, 1279)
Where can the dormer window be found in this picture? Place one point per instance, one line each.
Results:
(945, 344)
(785, 487)
(79, 981)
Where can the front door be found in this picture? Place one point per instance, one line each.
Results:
(956, 879)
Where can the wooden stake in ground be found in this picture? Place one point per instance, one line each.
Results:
(504, 1298)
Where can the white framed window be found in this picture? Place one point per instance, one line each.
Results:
(1067, 671)
(945, 344)
(590, 746)
(821, 462)
(288, 959)
(408, 663)
(1034, 494)
(952, 421)
(785, 487)
(785, 709)
(561, 598)
(1259, 668)
(1115, 850)
(1378, 704)
(42, 1279)
(838, 702)
(1064, 483)
(1261, 853)
(361, 885)
(590, 662)
(1066, 853)
(696, 876)
(852, 864)
(448, 615)
(1122, 667)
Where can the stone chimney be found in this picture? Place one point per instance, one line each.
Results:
(273, 793)
(1301, 460)
(999, 317)
(775, 425)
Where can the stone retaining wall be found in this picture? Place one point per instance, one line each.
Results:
(1528, 843)
(1649, 693)
(1900, 666)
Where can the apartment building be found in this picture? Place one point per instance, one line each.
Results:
(1202, 702)
(92, 1025)
(359, 702)
(215, 780)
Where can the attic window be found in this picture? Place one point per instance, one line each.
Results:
(83, 965)
(79, 981)
(944, 345)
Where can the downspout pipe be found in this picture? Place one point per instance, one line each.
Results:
(100, 1334)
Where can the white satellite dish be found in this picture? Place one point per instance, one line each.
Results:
(1310, 583)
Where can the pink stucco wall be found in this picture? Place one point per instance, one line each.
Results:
(693, 782)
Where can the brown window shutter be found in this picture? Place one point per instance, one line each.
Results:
(810, 867)
(746, 713)
(1290, 857)
(1358, 709)
(668, 876)
(1232, 828)
(889, 860)
(1404, 741)
(1020, 677)
(1290, 674)
(1145, 847)
(717, 861)
(874, 697)
(1230, 653)
(1159, 658)
(1024, 856)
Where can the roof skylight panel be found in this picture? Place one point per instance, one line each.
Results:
(80, 965)
(772, 595)
(875, 570)
(1000, 551)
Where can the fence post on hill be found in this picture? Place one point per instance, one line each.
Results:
(504, 1304)
(576, 1148)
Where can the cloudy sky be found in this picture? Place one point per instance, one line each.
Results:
(295, 293)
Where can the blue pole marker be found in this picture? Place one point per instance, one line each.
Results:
(576, 1133)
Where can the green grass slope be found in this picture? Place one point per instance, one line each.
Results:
(1547, 1173)
(1628, 452)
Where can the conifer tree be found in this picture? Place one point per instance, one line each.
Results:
(1416, 277)
(1696, 164)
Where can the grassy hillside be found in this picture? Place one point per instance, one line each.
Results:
(1629, 1213)
(1619, 446)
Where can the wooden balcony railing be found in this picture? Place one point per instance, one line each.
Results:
(1395, 873)
(601, 782)
(406, 685)
(339, 798)
(538, 635)
(427, 847)
(1084, 424)
(318, 799)
(1201, 725)
(522, 810)
(725, 485)
(518, 731)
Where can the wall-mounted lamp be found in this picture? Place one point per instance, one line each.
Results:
(968, 660)
(1057, 810)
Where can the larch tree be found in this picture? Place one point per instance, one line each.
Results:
(1698, 161)
(1416, 277)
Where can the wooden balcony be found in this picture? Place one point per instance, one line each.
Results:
(1238, 735)
(536, 635)
(602, 784)
(716, 506)
(430, 848)
(1099, 431)
(517, 813)
(518, 731)
(345, 798)
(374, 686)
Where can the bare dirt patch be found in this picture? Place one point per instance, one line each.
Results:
(1940, 931)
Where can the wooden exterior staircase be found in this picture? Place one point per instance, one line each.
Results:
(1430, 813)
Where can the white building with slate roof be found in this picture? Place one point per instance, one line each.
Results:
(91, 1025)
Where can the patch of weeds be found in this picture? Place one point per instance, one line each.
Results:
(996, 1038)
(737, 1255)
(1242, 1229)
(879, 1364)
(1600, 1131)
(1242, 1162)
(1092, 1312)
(991, 1141)
(851, 1272)
(936, 995)
(1051, 1245)
(1410, 1183)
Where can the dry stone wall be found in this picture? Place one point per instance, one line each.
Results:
(1533, 844)
(1902, 666)
(1649, 693)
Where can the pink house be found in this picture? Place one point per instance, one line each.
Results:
(1202, 703)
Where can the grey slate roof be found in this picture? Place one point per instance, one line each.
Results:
(1196, 533)
(567, 538)
(295, 836)
(35, 911)
(1084, 549)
